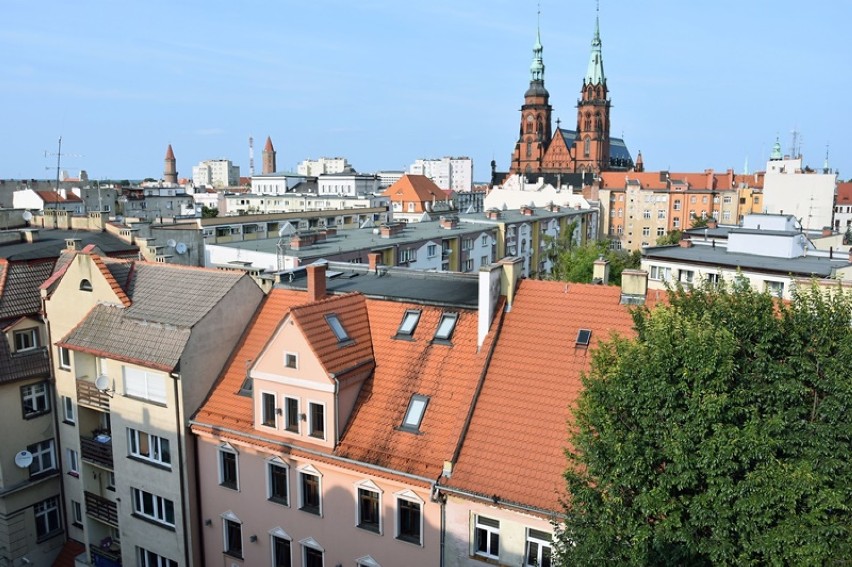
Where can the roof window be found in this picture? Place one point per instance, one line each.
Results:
(414, 414)
(583, 337)
(446, 326)
(408, 324)
(337, 328)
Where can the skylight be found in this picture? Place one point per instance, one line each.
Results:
(414, 414)
(409, 323)
(583, 337)
(337, 328)
(446, 326)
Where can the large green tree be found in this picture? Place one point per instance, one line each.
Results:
(573, 262)
(719, 435)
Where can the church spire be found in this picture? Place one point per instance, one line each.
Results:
(537, 67)
(595, 74)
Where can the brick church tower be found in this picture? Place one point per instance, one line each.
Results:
(170, 174)
(535, 132)
(592, 143)
(268, 157)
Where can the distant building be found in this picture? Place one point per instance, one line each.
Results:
(277, 183)
(843, 208)
(454, 173)
(269, 165)
(416, 197)
(64, 200)
(216, 173)
(388, 178)
(324, 165)
(347, 184)
(170, 173)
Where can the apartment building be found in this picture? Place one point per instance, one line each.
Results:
(216, 173)
(136, 347)
(454, 173)
(415, 198)
(324, 166)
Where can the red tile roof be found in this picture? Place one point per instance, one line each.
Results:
(70, 550)
(54, 197)
(844, 192)
(514, 448)
(417, 188)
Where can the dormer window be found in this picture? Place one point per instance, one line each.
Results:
(408, 325)
(337, 328)
(446, 326)
(26, 339)
(85, 285)
(584, 336)
(414, 414)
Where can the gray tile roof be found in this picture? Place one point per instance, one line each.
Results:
(19, 283)
(108, 331)
(19, 366)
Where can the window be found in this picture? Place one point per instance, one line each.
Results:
(538, 549)
(676, 222)
(726, 199)
(409, 324)
(228, 467)
(144, 385)
(291, 360)
(646, 231)
(281, 552)
(68, 409)
(76, 514)
(153, 507)
(291, 407)
(73, 462)
(775, 288)
(35, 400)
(584, 337)
(661, 231)
(44, 460)
(468, 265)
(85, 285)
(467, 243)
(408, 520)
(147, 558)
(64, 358)
(26, 339)
(233, 538)
(692, 199)
(267, 409)
(676, 205)
(279, 486)
(660, 273)
(337, 328)
(661, 214)
(713, 279)
(47, 517)
(149, 447)
(726, 215)
(484, 260)
(686, 276)
(446, 326)
(414, 414)
(485, 240)
(309, 487)
(368, 509)
(646, 214)
(432, 250)
(313, 556)
(317, 413)
(486, 538)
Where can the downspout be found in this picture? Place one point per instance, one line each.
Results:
(198, 499)
(183, 496)
(336, 408)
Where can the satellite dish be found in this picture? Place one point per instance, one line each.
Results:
(180, 248)
(28, 216)
(23, 459)
(102, 382)
(171, 242)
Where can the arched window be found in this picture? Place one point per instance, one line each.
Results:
(598, 126)
(529, 149)
(85, 285)
(587, 146)
(588, 122)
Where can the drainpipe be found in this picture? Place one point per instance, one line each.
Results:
(183, 496)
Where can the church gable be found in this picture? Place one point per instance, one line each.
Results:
(559, 155)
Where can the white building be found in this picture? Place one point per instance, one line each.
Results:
(347, 184)
(388, 177)
(516, 193)
(324, 166)
(275, 183)
(790, 190)
(454, 173)
(216, 173)
(249, 203)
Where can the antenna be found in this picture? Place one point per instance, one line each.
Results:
(180, 248)
(23, 459)
(251, 156)
(102, 384)
(171, 242)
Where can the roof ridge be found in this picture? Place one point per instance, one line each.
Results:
(116, 287)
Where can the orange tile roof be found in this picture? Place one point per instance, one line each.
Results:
(844, 192)
(70, 550)
(54, 197)
(415, 188)
(514, 448)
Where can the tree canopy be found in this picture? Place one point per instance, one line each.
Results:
(719, 435)
(574, 262)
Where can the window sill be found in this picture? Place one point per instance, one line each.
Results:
(233, 555)
(71, 423)
(36, 414)
(311, 510)
(279, 501)
(370, 528)
(154, 522)
(74, 474)
(50, 535)
(411, 540)
(489, 559)
(155, 464)
(229, 486)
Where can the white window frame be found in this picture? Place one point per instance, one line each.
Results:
(288, 414)
(146, 558)
(279, 534)
(68, 412)
(411, 497)
(155, 447)
(64, 358)
(368, 486)
(73, 462)
(774, 287)
(295, 357)
(541, 543)
(367, 561)
(227, 451)
(47, 511)
(29, 336)
(481, 528)
(76, 513)
(311, 405)
(145, 385)
(159, 504)
(263, 417)
(310, 543)
(231, 518)
(35, 393)
(310, 470)
(277, 462)
(44, 457)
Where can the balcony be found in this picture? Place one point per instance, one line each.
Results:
(101, 509)
(88, 395)
(107, 553)
(97, 450)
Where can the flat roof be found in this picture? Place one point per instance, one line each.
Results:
(51, 242)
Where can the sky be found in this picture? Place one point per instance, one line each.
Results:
(694, 85)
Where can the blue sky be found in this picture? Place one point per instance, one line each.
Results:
(694, 85)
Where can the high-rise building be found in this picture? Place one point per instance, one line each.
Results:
(216, 173)
(454, 173)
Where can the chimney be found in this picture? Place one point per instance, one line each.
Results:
(685, 243)
(489, 293)
(30, 235)
(374, 258)
(826, 231)
(850, 254)
(634, 286)
(316, 281)
(73, 243)
(712, 223)
(513, 267)
(600, 271)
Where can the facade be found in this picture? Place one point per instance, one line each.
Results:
(347, 184)
(275, 183)
(216, 173)
(843, 208)
(807, 195)
(155, 202)
(62, 200)
(324, 166)
(589, 147)
(251, 203)
(449, 173)
(416, 197)
(771, 251)
(388, 178)
(135, 348)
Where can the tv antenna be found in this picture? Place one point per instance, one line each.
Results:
(58, 155)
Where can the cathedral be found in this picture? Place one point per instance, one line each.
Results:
(588, 149)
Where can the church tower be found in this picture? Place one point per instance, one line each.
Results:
(268, 157)
(535, 132)
(592, 144)
(170, 174)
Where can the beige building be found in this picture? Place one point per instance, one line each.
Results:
(136, 347)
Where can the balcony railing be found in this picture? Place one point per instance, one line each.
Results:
(100, 508)
(89, 395)
(112, 554)
(97, 450)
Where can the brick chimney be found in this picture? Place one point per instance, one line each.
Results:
(374, 258)
(316, 281)
(826, 231)
(712, 223)
(685, 243)
(600, 271)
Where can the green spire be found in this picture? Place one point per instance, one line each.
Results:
(537, 67)
(595, 74)
(776, 150)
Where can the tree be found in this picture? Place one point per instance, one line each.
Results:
(698, 222)
(572, 262)
(671, 237)
(720, 434)
(847, 236)
(209, 212)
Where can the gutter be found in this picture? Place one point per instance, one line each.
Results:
(506, 503)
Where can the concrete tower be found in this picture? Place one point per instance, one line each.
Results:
(268, 157)
(170, 174)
